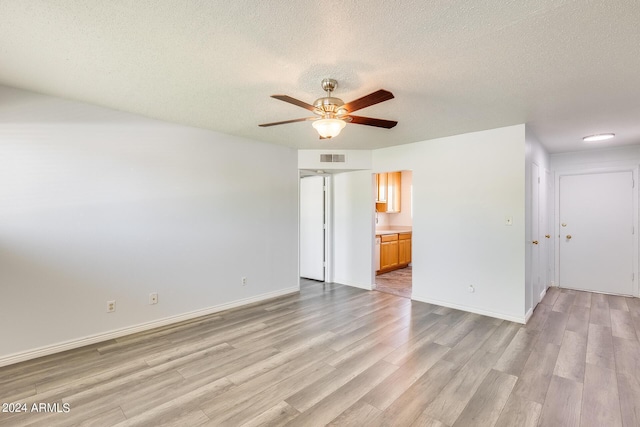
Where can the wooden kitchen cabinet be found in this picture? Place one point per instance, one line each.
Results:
(381, 188)
(404, 249)
(388, 189)
(388, 252)
(395, 251)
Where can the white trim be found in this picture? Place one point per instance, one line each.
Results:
(93, 339)
(357, 285)
(503, 316)
(328, 232)
(543, 293)
(528, 315)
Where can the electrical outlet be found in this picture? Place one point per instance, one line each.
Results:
(111, 306)
(244, 281)
(471, 289)
(508, 220)
(153, 298)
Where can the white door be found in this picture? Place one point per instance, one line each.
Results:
(549, 222)
(596, 232)
(535, 231)
(312, 227)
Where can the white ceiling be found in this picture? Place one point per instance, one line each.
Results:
(567, 68)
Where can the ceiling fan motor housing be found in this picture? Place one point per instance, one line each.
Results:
(329, 105)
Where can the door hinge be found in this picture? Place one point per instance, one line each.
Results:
(633, 277)
(538, 180)
(324, 263)
(324, 226)
(324, 188)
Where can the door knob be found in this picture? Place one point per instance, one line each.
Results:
(548, 236)
(535, 242)
(568, 236)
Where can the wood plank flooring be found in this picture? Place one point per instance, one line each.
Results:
(340, 356)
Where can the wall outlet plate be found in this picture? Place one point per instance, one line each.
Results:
(111, 306)
(153, 298)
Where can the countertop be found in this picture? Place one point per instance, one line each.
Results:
(392, 230)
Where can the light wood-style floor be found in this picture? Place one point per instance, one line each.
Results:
(342, 356)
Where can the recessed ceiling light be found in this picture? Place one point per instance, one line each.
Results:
(598, 137)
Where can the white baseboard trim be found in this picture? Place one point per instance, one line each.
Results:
(93, 339)
(357, 285)
(542, 294)
(470, 309)
(528, 315)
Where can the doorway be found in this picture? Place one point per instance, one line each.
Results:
(393, 233)
(313, 226)
(596, 231)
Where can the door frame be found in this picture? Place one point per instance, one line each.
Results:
(535, 292)
(328, 222)
(556, 225)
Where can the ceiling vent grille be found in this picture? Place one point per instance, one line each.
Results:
(332, 158)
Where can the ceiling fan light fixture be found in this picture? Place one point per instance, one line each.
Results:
(329, 128)
(598, 137)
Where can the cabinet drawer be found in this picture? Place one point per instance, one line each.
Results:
(404, 236)
(389, 237)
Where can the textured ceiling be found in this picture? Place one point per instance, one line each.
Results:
(567, 68)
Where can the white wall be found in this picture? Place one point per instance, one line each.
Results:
(99, 205)
(536, 154)
(353, 226)
(463, 188)
(613, 157)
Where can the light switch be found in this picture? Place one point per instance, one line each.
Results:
(508, 220)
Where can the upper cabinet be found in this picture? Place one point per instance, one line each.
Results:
(388, 189)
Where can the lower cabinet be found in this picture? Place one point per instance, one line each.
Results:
(404, 249)
(388, 252)
(395, 251)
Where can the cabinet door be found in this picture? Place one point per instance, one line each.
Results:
(404, 248)
(394, 188)
(388, 255)
(381, 186)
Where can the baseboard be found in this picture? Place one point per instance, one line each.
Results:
(476, 310)
(528, 315)
(357, 285)
(93, 339)
(542, 294)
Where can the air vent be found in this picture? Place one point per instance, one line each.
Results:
(332, 158)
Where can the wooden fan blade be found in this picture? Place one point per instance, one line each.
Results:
(368, 100)
(294, 101)
(381, 123)
(264, 125)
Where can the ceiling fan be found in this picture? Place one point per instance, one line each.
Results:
(332, 114)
